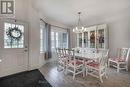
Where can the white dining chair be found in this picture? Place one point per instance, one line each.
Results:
(121, 61)
(62, 59)
(75, 66)
(98, 68)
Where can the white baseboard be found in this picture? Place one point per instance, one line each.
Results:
(11, 71)
(51, 60)
(34, 67)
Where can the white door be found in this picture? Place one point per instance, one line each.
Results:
(13, 47)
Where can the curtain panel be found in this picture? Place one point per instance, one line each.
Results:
(69, 45)
(48, 40)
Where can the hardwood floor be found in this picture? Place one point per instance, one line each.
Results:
(59, 79)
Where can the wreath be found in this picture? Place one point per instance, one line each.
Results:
(14, 33)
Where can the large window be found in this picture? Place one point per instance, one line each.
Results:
(57, 37)
(13, 35)
(59, 40)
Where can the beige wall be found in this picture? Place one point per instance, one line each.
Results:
(119, 30)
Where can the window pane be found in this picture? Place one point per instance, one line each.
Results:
(13, 36)
(42, 26)
(65, 40)
(57, 42)
(52, 40)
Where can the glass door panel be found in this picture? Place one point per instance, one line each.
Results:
(85, 39)
(80, 39)
(92, 39)
(13, 36)
(100, 38)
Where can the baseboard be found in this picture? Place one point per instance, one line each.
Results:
(51, 60)
(34, 67)
(11, 71)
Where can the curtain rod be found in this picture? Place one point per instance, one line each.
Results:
(42, 20)
(53, 25)
(59, 27)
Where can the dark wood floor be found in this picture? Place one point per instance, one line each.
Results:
(59, 79)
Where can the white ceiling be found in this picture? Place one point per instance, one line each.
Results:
(65, 11)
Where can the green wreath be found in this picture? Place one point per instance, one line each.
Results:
(14, 33)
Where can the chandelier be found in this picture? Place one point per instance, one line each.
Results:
(79, 28)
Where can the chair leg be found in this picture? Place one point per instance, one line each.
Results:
(126, 68)
(59, 68)
(65, 67)
(106, 73)
(101, 79)
(118, 68)
(73, 76)
(84, 72)
(66, 71)
(100, 76)
(74, 73)
(108, 63)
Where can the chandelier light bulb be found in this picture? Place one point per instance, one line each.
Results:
(73, 30)
(76, 28)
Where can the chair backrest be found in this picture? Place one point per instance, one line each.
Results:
(104, 52)
(103, 60)
(71, 55)
(124, 53)
(118, 52)
(78, 49)
(59, 52)
(66, 52)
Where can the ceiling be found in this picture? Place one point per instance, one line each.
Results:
(65, 11)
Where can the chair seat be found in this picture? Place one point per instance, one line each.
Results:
(117, 59)
(93, 64)
(76, 61)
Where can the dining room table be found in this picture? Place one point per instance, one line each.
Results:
(86, 56)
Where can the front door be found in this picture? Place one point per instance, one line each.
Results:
(13, 47)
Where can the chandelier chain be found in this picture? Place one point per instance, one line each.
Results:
(79, 20)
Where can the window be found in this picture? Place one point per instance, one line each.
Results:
(52, 40)
(59, 40)
(42, 28)
(13, 35)
(65, 43)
